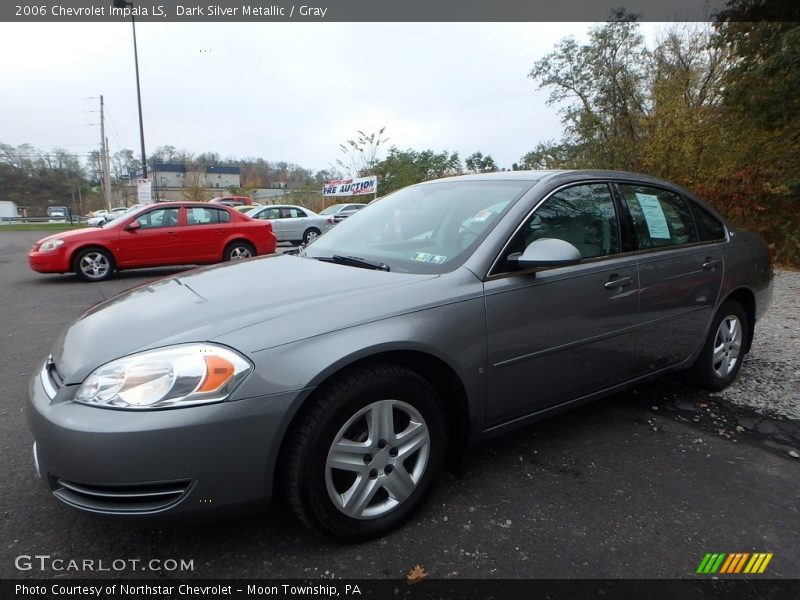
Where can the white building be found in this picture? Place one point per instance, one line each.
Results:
(8, 210)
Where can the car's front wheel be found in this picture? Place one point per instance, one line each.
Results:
(724, 348)
(365, 454)
(93, 264)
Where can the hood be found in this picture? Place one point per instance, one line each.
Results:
(72, 233)
(305, 297)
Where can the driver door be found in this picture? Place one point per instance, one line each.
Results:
(155, 242)
(557, 334)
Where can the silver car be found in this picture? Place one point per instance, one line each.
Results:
(290, 223)
(345, 377)
(339, 212)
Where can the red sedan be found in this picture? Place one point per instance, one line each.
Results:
(167, 233)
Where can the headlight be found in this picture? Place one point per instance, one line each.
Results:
(50, 245)
(176, 376)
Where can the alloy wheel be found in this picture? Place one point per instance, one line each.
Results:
(95, 265)
(727, 346)
(377, 459)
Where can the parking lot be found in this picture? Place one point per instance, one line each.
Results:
(641, 485)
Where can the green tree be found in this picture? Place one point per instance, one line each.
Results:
(599, 88)
(406, 167)
(361, 153)
(478, 163)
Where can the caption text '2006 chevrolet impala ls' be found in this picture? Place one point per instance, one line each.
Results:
(440, 315)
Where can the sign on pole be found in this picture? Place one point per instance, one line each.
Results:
(144, 188)
(351, 187)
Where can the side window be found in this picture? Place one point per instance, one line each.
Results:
(269, 214)
(711, 229)
(198, 215)
(660, 218)
(291, 213)
(163, 217)
(582, 215)
(223, 216)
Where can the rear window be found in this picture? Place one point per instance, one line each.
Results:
(711, 228)
(660, 217)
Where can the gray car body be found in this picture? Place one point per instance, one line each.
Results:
(494, 355)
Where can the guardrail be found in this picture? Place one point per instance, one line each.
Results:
(74, 220)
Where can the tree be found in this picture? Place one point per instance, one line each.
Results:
(478, 163)
(361, 153)
(402, 168)
(599, 86)
(124, 162)
(194, 183)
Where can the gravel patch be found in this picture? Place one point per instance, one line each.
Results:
(769, 381)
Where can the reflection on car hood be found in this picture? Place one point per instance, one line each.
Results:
(302, 295)
(72, 233)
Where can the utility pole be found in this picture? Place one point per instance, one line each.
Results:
(104, 157)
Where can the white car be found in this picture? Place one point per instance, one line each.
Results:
(295, 224)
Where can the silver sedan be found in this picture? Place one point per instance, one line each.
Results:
(290, 223)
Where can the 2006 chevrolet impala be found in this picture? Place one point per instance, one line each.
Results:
(344, 376)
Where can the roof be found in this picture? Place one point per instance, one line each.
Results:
(181, 168)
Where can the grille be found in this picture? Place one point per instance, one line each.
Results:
(122, 499)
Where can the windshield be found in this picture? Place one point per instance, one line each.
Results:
(128, 213)
(429, 228)
(331, 209)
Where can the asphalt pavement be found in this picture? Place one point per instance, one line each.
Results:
(641, 485)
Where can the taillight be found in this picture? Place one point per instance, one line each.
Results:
(330, 220)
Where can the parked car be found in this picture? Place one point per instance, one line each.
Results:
(59, 214)
(339, 212)
(232, 200)
(290, 223)
(168, 233)
(346, 376)
(246, 208)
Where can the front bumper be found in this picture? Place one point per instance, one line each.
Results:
(55, 261)
(164, 462)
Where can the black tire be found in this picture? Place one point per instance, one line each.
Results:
(93, 264)
(311, 234)
(239, 250)
(714, 373)
(310, 486)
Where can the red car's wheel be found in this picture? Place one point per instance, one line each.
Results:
(93, 264)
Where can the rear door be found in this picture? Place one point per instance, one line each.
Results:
(561, 333)
(155, 242)
(294, 222)
(680, 274)
(204, 234)
(273, 215)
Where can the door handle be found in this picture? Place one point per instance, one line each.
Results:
(617, 282)
(711, 264)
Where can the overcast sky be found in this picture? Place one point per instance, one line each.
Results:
(289, 91)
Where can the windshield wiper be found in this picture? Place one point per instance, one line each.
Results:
(355, 261)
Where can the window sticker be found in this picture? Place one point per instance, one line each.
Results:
(481, 216)
(654, 216)
(431, 258)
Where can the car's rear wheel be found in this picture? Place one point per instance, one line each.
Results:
(724, 348)
(93, 264)
(310, 235)
(239, 250)
(365, 454)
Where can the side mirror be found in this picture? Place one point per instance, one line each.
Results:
(133, 226)
(545, 252)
